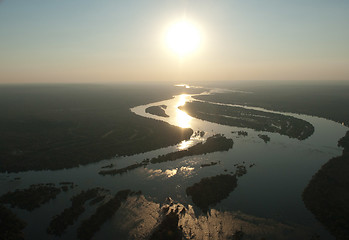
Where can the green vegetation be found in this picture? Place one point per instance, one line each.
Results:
(248, 118)
(199, 133)
(241, 170)
(32, 197)
(10, 226)
(264, 137)
(211, 190)
(243, 133)
(104, 212)
(64, 126)
(60, 222)
(213, 144)
(157, 110)
(327, 194)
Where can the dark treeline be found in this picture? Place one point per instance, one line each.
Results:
(63, 126)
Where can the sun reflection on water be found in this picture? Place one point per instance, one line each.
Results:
(182, 119)
(185, 144)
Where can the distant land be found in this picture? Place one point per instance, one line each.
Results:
(322, 99)
(64, 126)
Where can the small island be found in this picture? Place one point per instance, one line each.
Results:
(125, 169)
(60, 222)
(209, 164)
(214, 143)
(243, 133)
(264, 137)
(211, 190)
(157, 110)
(32, 197)
(104, 212)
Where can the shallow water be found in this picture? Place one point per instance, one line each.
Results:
(271, 189)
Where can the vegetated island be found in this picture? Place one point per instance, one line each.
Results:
(248, 118)
(63, 126)
(11, 226)
(243, 133)
(327, 194)
(209, 164)
(212, 144)
(264, 137)
(157, 110)
(327, 100)
(104, 212)
(211, 190)
(32, 197)
(60, 222)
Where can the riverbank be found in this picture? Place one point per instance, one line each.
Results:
(327, 194)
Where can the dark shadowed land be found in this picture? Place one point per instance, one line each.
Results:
(157, 110)
(328, 100)
(104, 212)
(10, 226)
(214, 143)
(69, 216)
(32, 197)
(63, 126)
(327, 194)
(211, 190)
(248, 118)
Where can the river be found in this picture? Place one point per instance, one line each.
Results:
(271, 189)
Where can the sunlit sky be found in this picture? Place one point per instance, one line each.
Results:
(117, 41)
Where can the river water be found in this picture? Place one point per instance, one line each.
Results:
(271, 189)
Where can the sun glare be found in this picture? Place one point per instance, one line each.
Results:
(182, 119)
(183, 37)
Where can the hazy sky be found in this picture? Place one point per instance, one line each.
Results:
(111, 41)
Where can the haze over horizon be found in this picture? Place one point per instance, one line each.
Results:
(115, 41)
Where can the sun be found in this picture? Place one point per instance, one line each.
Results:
(183, 37)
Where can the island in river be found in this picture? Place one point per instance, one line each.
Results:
(249, 118)
(214, 143)
(157, 110)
